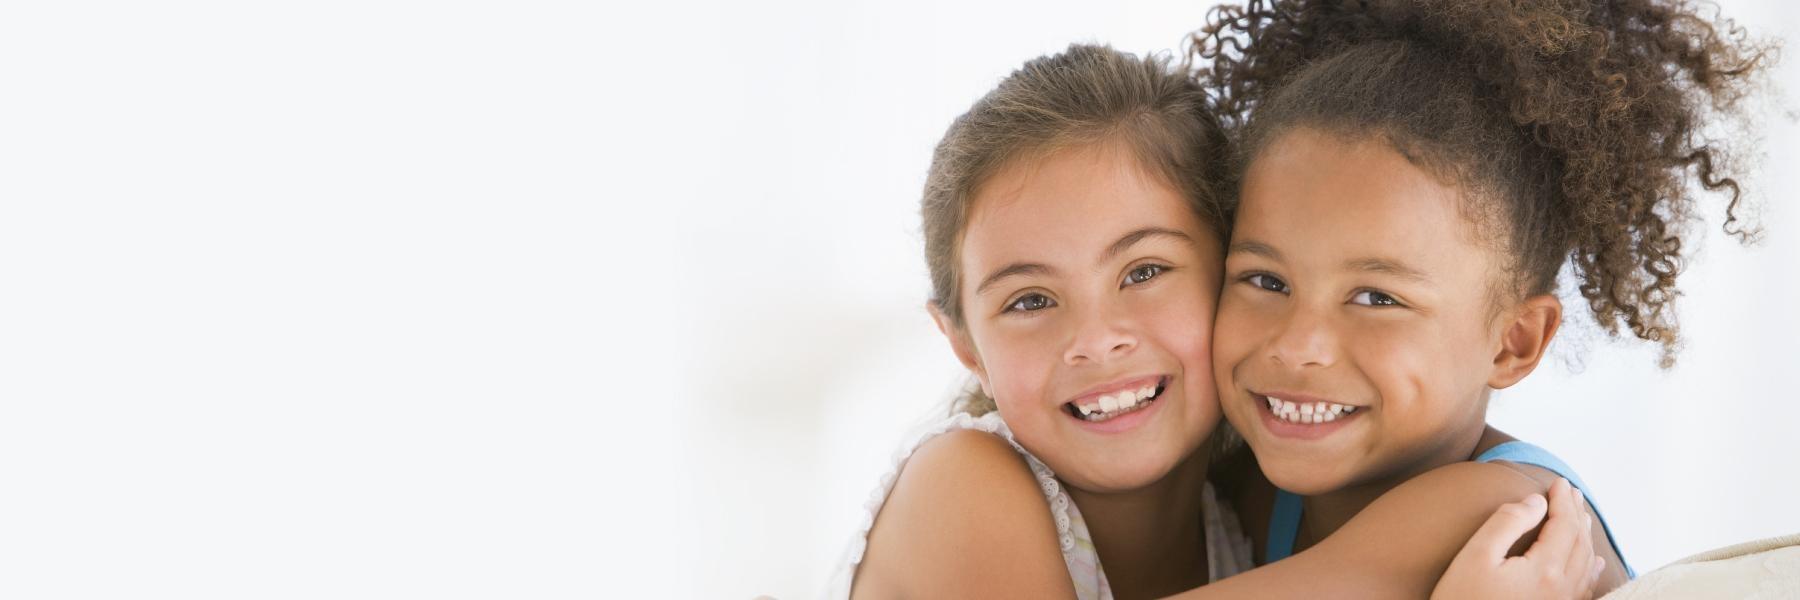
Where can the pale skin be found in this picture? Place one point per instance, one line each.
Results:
(1082, 272)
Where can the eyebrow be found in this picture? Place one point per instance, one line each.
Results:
(1387, 267)
(1012, 270)
(1124, 243)
(1371, 265)
(1257, 248)
(1130, 239)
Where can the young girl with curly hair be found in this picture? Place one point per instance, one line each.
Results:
(1412, 177)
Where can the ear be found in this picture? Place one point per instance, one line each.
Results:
(960, 344)
(1525, 340)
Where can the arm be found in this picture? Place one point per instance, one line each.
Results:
(965, 519)
(1399, 546)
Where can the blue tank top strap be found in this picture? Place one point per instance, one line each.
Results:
(1527, 454)
(1284, 526)
(1284, 521)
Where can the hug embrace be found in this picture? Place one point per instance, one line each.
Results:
(1234, 321)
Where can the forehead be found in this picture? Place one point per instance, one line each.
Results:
(1068, 202)
(1355, 199)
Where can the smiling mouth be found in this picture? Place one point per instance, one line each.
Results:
(1305, 413)
(1109, 407)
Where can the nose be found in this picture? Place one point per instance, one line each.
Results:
(1101, 336)
(1303, 340)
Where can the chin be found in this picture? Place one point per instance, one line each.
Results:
(1116, 477)
(1300, 476)
(1304, 484)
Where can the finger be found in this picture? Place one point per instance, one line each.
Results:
(1593, 578)
(1557, 539)
(1508, 523)
(1582, 555)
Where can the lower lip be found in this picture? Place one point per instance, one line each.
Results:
(1127, 421)
(1302, 431)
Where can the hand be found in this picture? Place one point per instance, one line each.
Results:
(1560, 564)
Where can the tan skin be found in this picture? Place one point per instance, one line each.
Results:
(1097, 275)
(1357, 278)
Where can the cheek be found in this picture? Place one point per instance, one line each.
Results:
(1394, 363)
(1183, 326)
(1237, 330)
(1413, 368)
(1017, 364)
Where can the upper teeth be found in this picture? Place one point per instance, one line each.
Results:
(1307, 412)
(1112, 403)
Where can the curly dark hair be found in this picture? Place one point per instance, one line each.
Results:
(1577, 122)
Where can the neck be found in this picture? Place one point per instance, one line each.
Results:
(1325, 513)
(1150, 540)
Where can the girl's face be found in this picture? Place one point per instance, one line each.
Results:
(1356, 336)
(1087, 283)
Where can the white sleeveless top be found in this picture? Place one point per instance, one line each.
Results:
(1227, 549)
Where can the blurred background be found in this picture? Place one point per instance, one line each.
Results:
(557, 300)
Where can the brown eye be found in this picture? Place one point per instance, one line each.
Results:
(1030, 303)
(1268, 282)
(1373, 298)
(1143, 274)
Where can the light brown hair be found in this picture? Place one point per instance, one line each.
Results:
(1083, 95)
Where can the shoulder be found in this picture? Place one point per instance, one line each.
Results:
(1453, 500)
(1615, 574)
(1467, 493)
(966, 515)
(1472, 480)
(967, 461)
(1397, 546)
(1432, 515)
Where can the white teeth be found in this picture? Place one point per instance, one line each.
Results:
(1108, 406)
(1308, 413)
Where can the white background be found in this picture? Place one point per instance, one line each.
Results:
(531, 299)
